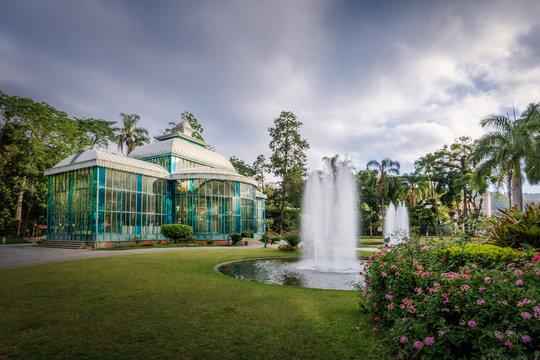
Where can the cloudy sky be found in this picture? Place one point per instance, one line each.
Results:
(369, 79)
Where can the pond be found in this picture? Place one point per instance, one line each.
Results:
(289, 271)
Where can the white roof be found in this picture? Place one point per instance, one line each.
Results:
(211, 173)
(91, 158)
(183, 149)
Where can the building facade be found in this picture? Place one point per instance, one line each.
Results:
(108, 200)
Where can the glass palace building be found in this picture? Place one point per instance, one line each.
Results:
(107, 199)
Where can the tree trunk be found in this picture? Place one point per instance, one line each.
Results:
(18, 208)
(516, 191)
(509, 188)
(282, 212)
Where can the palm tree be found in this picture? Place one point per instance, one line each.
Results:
(131, 136)
(504, 149)
(386, 170)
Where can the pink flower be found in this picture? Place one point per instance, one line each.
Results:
(511, 265)
(472, 323)
(503, 302)
(418, 290)
(517, 272)
(441, 333)
(508, 343)
(462, 322)
(525, 315)
(391, 306)
(465, 287)
(487, 279)
(519, 282)
(523, 302)
(498, 334)
(526, 338)
(442, 260)
(429, 341)
(374, 305)
(384, 274)
(480, 302)
(403, 339)
(418, 344)
(389, 297)
(436, 284)
(509, 332)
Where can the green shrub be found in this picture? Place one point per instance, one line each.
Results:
(429, 308)
(235, 238)
(176, 231)
(287, 247)
(248, 234)
(515, 228)
(292, 239)
(486, 255)
(209, 241)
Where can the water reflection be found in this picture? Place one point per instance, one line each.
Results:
(284, 271)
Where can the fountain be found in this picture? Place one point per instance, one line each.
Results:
(396, 223)
(329, 220)
(328, 231)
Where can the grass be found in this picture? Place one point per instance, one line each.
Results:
(174, 305)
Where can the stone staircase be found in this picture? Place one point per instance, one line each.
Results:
(63, 244)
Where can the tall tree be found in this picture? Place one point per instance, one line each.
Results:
(130, 135)
(33, 137)
(451, 172)
(98, 132)
(504, 149)
(260, 167)
(288, 160)
(193, 122)
(241, 167)
(386, 171)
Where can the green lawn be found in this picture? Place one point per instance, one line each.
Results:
(174, 305)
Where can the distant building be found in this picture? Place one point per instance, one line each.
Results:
(486, 200)
(104, 198)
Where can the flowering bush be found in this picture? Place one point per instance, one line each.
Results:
(430, 305)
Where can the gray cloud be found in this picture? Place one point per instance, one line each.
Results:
(370, 80)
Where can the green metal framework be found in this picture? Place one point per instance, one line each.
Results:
(102, 204)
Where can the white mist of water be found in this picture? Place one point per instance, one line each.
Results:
(396, 223)
(329, 220)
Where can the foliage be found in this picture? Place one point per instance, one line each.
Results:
(451, 172)
(98, 132)
(34, 137)
(291, 218)
(260, 167)
(194, 123)
(514, 228)
(288, 160)
(369, 203)
(130, 135)
(485, 255)
(292, 239)
(385, 171)
(235, 238)
(247, 234)
(287, 247)
(241, 167)
(421, 218)
(177, 231)
(503, 150)
(209, 241)
(431, 300)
